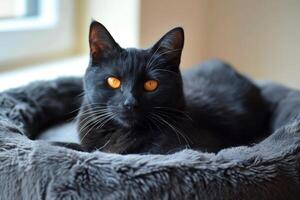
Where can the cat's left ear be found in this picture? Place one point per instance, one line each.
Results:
(101, 42)
(170, 45)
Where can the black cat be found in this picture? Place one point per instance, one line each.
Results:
(136, 100)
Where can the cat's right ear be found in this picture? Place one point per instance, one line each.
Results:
(101, 42)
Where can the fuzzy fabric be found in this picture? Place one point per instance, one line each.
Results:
(37, 170)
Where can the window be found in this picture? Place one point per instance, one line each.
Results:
(33, 29)
(27, 14)
(18, 8)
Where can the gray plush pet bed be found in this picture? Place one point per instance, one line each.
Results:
(37, 170)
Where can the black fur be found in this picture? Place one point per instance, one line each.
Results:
(210, 107)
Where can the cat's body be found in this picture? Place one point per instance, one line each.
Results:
(226, 107)
(208, 108)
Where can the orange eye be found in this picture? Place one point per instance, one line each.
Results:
(150, 85)
(113, 82)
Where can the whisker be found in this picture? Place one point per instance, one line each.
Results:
(90, 120)
(106, 121)
(153, 55)
(95, 123)
(102, 122)
(167, 114)
(161, 62)
(156, 125)
(174, 121)
(165, 70)
(169, 109)
(106, 143)
(176, 132)
(90, 112)
(88, 104)
(174, 128)
(93, 117)
(166, 52)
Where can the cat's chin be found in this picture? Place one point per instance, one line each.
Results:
(126, 123)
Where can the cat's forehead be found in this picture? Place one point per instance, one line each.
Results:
(135, 57)
(133, 61)
(130, 63)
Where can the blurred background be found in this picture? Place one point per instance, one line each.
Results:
(43, 39)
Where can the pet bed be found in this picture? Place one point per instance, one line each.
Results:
(32, 169)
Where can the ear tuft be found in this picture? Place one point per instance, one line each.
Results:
(101, 42)
(170, 45)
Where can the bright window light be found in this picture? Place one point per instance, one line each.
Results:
(18, 15)
(13, 8)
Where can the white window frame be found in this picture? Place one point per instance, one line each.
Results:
(47, 18)
(46, 35)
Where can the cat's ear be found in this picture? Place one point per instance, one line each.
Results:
(101, 42)
(170, 45)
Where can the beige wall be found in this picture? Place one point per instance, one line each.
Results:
(260, 37)
(157, 17)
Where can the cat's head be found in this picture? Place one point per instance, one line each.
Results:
(133, 85)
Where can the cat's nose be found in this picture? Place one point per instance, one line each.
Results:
(130, 103)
